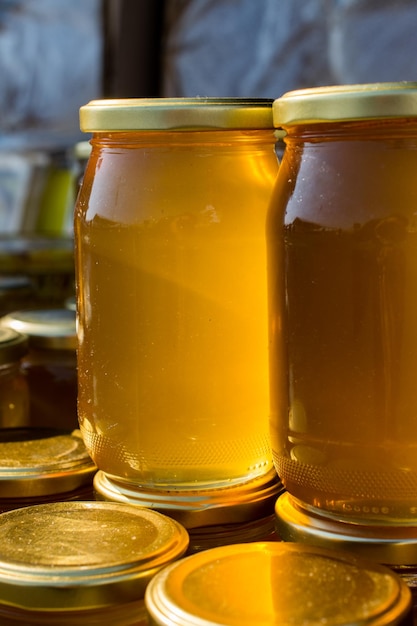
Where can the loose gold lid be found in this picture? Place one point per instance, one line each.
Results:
(346, 103)
(45, 328)
(248, 501)
(275, 583)
(384, 543)
(37, 462)
(83, 555)
(176, 114)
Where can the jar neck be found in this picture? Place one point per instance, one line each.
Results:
(368, 129)
(167, 138)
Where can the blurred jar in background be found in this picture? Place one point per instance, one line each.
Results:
(14, 390)
(50, 365)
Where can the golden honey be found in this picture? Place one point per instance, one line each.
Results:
(343, 223)
(172, 291)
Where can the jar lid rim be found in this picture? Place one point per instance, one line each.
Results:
(200, 507)
(179, 114)
(346, 103)
(383, 543)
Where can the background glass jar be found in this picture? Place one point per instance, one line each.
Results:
(343, 224)
(171, 290)
(14, 389)
(50, 365)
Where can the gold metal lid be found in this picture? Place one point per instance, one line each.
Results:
(252, 500)
(45, 328)
(83, 555)
(176, 114)
(346, 103)
(387, 544)
(40, 461)
(13, 346)
(276, 583)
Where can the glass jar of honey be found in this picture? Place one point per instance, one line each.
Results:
(172, 291)
(342, 245)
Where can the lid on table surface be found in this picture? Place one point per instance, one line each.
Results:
(46, 328)
(269, 583)
(13, 345)
(176, 114)
(346, 103)
(83, 555)
(248, 501)
(38, 462)
(385, 543)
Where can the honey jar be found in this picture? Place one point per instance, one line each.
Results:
(342, 246)
(172, 292)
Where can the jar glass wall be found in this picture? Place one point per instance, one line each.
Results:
(172, 302)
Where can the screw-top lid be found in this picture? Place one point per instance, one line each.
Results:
(13, 346)
(252, 500)
(176, 114)
(390, 544)
(40, 461)
(45, 328)
(82, 555)
(346, 103)
(276, 583)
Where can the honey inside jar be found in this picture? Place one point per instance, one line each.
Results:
(343, 223)
(172, 360)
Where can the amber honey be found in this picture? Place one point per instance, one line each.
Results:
(172, 304)
(343, 319)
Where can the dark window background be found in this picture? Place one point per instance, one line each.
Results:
(133, 32)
